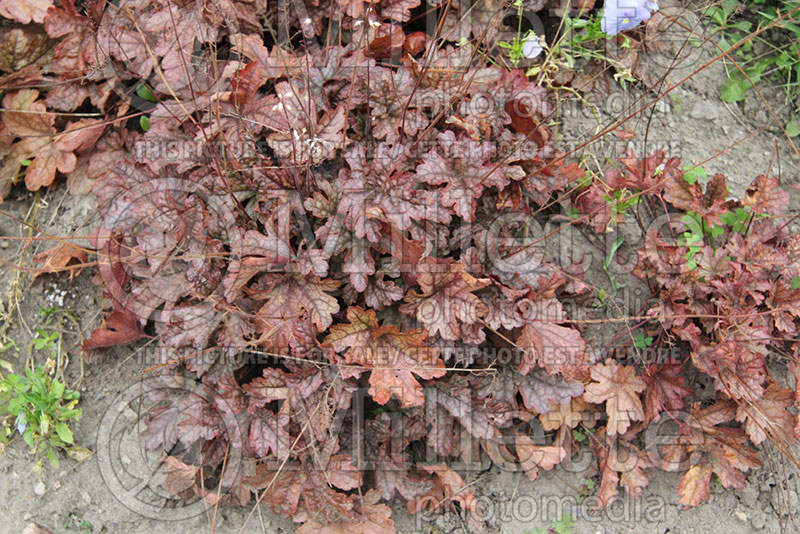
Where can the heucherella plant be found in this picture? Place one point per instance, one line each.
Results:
(619, 15)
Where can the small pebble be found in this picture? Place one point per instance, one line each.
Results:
(759, 520)
(704, 110)
(39, 489)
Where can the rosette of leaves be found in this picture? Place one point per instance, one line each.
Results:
(366, 274)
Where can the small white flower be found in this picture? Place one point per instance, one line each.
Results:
(619, 15)
(531, 47)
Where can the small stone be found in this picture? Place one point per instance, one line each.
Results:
(740, 515)
(749, 495)
(704, 110)
(794, 501)
(86, 497)
(125, 459)
(759, 520)
(4, 243)
(39, 489)
(663, 107)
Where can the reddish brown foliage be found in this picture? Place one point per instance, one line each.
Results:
(359, 214)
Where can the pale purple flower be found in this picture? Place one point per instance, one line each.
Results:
(21, 426)
(531, 46)
(619, 15)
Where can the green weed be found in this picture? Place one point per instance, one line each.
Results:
(40, 409)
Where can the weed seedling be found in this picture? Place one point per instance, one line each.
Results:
(607, 263)
(581, 435)
(778, 63)
(641, 342)
(73, 522)
(39, 408)
(586, 489)
(562, 525)
(45, 341)
(600, 301)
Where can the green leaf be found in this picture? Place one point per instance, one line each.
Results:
(793, 127)
(728, 218)
(693, 173)
(51, 455)
(755, 72)
(795, 283)
(71, 414)
(734, 89)
(64, 432)
(729, 6)
(694, 227)
(564, 525)
(794, 28)
(28, 436)
(611, 252)
(743, 25)
(144, 123)
(14, 406)
(14, 380)
(145, 93)
(26, 162)
(640, 341)
(716, 14)
(57, 391)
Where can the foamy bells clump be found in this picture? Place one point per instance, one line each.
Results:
(619, 15)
